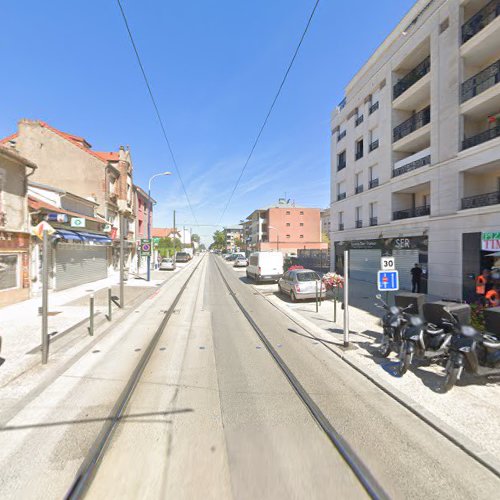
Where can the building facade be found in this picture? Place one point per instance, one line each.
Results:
(234, 238)
(143, 213)
(284, 227)
(415, 149)
(326, 224)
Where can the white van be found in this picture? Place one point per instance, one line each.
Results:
(265, 266)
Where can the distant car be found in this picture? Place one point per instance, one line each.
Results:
(301, 284)
(182, 257)
(167, 265)
(240, 261)
(265, 266)
(234, 256)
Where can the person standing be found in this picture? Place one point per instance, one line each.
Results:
(416, 276)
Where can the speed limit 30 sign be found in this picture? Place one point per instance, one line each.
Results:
(387, 263)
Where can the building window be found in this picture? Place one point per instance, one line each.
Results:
(288, 212)
(301, 212)
(288, 236)
(301, 223)
(301, 235)
(288, 224)
(359, 149)
(341, 163)
(9, 272)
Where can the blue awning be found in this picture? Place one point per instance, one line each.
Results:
(68, 235)
(101, 239)
(83, 237)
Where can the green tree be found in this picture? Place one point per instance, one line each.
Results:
(195, 238)
(324, 237)
(219, 240)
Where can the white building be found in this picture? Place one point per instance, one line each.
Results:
(415, 154)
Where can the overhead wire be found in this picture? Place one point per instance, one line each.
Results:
(153, 100)
(270, 110)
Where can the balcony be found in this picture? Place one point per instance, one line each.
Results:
(413, 123)
(373, 108)
(412, 77)
(373, 221)
(358, 120)
(481, 200)
(341, 226)
(358, 155)
(485, 136)
(373, 145)
(341, 104)
(373, 183)
(480, 82)
(341, 196)
(412, 162)
(359, 224)
(480, 20)
(341, 135)
(411, 212)
(358, 189)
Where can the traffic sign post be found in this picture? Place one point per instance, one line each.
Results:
(146, 247)
(388, 263)
(388, 281)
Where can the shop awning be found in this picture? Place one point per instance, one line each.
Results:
(495, 254)
(83, 237)
(101, 239)
(68, 235)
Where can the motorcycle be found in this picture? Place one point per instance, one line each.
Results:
(478, 354)
(423, 341)
(393, 322)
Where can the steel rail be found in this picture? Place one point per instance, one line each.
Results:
(365, 477)
(89, 466)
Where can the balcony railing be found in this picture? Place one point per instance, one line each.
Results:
(421, 162)
(412, 77)
(358, 120)
(341, 165)
(482, 81)
(341, 226)
(373, 108)
(341, 196)
(485, 136)
(480, 20)
(341, 135)
(373, 221)
(358, 189)
(373, 183)
(358, 155)
(418, 120)
(373, 145)
(359, 223)
(481, 200)
(411, 212)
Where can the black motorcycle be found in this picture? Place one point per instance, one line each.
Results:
(478, 354)
(393, 322)
(423, 341)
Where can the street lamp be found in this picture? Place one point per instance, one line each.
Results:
(149, 218)
(277, 237)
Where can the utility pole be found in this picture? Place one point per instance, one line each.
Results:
(122, 260)
(45, 298)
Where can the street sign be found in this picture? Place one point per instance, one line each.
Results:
(146, 247)
(388, 281)
(156, 240)
(77, 222)
(387, 263)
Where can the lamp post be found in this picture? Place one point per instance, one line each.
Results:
(149, 218)
(277, 237)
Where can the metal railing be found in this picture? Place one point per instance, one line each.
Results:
(418, 72)
(342, 103)
(373, 145)
(358, 155)
(481, 200)
(341, 196)
(341, 165)
(341, 135)
(418, 120)
(341, 226)
(358, 189)
(373, 108)
(411, 212)
(482, 81)
(485, 136)
(359, 223)
(358, 120)
(373, 183)
(480, 20)
(421, 162)
(373, 221)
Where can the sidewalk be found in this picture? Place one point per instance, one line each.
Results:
(468, 413)
(68, 310)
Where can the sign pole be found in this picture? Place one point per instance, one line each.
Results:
(122, 261)
(346, 298)
(45, 298)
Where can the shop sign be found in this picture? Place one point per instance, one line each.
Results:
(40, 228)
(107, 228)
(54, 217)
(490, 240)
(77, 222)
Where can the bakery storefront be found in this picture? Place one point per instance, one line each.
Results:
(365, 255)
(14, 267)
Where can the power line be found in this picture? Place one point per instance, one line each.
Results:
(162, 126)
(270, 110)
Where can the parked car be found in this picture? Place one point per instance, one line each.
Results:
(182, 257)
(301, 284)
(265, 266)
(167, 265)
(232, 257)
(240, 261)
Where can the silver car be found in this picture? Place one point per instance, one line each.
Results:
(167, 265)
(301, 284)
(240, 261)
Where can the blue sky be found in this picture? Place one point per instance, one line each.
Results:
(214, 67)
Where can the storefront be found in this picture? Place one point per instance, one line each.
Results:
(364, 258)
(14, 267)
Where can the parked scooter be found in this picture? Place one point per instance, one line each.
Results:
(393, 322)
(477, 353)
(423, 341)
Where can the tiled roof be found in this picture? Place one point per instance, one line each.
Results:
(162, 232)
(7, 139)
(38, 205)
(111, 156)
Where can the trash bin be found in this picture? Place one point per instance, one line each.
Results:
(434, 312)
(492, 320)
(404, 299)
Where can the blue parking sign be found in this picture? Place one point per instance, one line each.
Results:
(388, 281)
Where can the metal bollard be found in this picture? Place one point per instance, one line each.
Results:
(91, 326)
(110, 305)
(316, 295)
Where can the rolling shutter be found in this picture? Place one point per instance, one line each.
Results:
(405, 260)
(364, 264)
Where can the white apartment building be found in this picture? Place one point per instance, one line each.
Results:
(415, 150)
